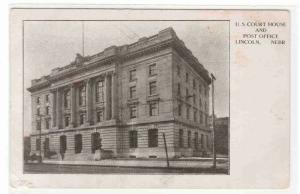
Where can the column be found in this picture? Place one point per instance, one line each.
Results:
(54, 102)
(73, 105)
(89, 102)
(113, 95)
(108, 96)
(58, 109)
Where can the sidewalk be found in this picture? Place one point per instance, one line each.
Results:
(180, 163)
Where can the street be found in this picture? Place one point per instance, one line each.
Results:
(35, 168)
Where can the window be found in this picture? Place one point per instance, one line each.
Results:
(194, 84)
(195, 115)
(202, 141)
(200, 103)
(181, 138)
(100, 116)
(96, 141)
(207, 141)
(133, 111)
(78, 143)
(63, 143)
(152, 138)
(152, 70)
(187, 77)
(38, 111)
(82, 96)
(46, 147)
(187, 93)
(152, 87)
(47, 97)
(67, 99)
(194, 98)
(133, 141)
(206, 107)
(132, 92)
(47, 122)
(67, 121)
(38, 125)
(38, 100)
(178, 90)
(205, 91)
(189, 139)
(132, 75)
(188, 112)
(100, 92)
(153, 107)
(82, 119)
(196, 141)
(178, 70)
(200, 88)
(201, 118)
(179, 109)
(47, 110)
(38, 144)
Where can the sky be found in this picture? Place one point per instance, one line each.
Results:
(51, 44)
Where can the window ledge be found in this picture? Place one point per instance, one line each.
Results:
(133, 80)
(132, 101)
(153, 97)
(152, 75)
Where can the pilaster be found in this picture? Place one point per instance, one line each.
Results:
(73, 105)
(59, 108)
(89, 101)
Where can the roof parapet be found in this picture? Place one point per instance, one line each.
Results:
(163, 35)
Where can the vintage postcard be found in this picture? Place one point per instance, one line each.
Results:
(149, 98)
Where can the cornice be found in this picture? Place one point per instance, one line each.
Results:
(165, 38)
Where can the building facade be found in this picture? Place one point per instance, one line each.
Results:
(122, 100)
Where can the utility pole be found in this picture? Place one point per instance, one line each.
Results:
(83, 38)
(166, 150)
(213, 121)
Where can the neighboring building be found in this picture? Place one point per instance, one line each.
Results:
(123, 99)
(222, 130)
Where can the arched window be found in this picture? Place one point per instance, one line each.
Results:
(189, 139)
(63, 143)
(96, 141)
(202, 141)
(46, 147)
(38, 144)
(82, 96)
(181, 138)
(78, 143)
(207, 141)
(196, 141)
(133, 139)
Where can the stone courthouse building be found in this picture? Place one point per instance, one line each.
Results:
(123, 99)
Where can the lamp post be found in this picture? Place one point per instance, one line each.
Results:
(213, 121)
